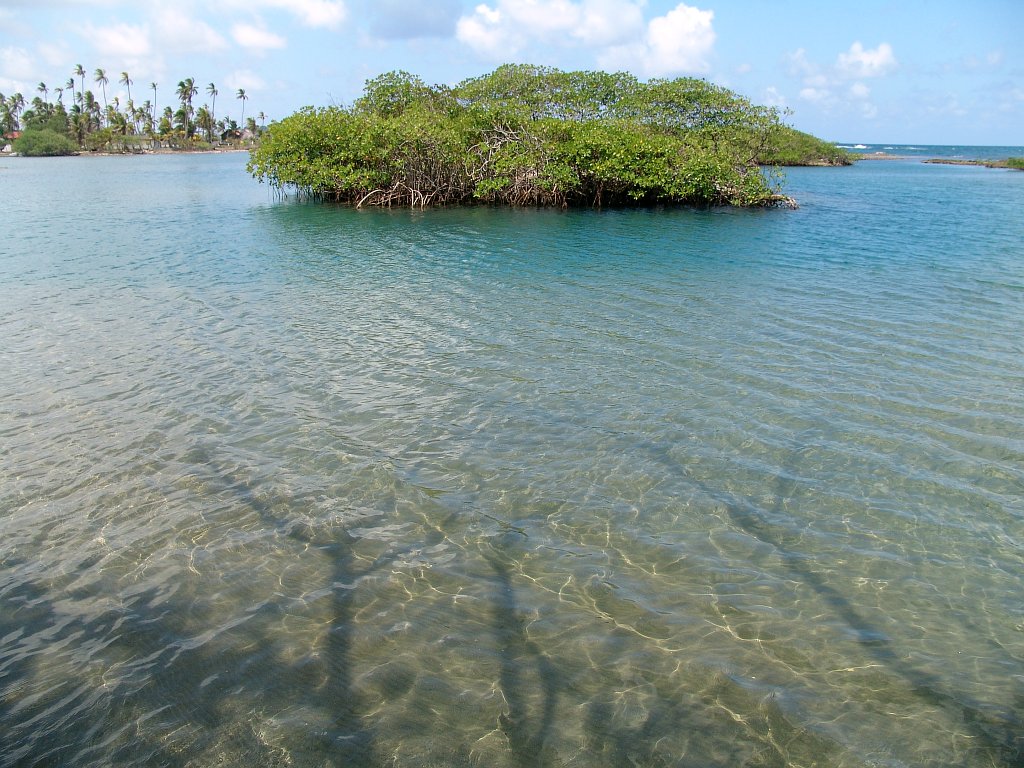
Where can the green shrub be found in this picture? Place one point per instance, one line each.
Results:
(1016, 162)
(43, 143)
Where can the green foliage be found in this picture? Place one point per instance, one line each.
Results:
(1015, 162)
(46, 117)
(528, 135)
(43, 143)
(793, 147)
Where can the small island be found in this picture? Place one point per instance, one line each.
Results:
(527, 135)
(1013, 163)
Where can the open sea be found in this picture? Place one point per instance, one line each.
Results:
(286, 484)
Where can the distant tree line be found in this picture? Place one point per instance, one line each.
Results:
(530, 135)
(75, 119)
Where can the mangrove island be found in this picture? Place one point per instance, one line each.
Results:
(527, 135)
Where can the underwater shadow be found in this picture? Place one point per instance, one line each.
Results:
(999, 739)
(526, 726)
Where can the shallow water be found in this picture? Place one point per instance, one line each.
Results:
(287, 484)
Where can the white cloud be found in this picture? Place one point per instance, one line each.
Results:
(861, 62)
(840, 86)
(54, 55)
(183, 34)
(771, 97)
(606, 22)
(679, 41)
(800, 65)
(312, 13)
(317, 13)
(245, 79)
(513, 24)
(411, 19)
(859, 91)
(119, 40)
(813, 94)
(256, 37)
(483, 31)
(16, 64)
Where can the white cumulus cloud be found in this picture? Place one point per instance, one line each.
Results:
(16, 64)
(183, 34)
(256, 37)
(511, 25)
(605, 22)
(866, 62)
(679, 41)
(484, 32)
(814, 94)
(119, 40)
(312, 13)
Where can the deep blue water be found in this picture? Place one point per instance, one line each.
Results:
(293, 484)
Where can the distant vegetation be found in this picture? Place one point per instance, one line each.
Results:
(114, 126)
(1016, 163)
(793, 147)
(44, 143)
(528, 135)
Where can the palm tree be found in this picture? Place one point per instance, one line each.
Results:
(241, 95)
(186, 90)
(91, 109)
(79, 124)
(101, 78)
(60, 95)
(165, 121)
(81, 91)
(212, 90)
(127, 83)
(153, 86)
(45, 91)
(15, 104)
(6, 122)
(204, 120)
(113, 111)
(263, 119)
(119, 124)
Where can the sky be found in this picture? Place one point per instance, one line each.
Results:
(873, 72)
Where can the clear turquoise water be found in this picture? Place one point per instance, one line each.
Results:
(283, 484)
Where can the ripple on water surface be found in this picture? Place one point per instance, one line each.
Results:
(285, 484)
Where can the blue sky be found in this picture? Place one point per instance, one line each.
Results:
(871, 71)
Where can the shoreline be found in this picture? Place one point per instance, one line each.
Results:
(161, 151)
(880, 156)
(983, 163)
(998, 164)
